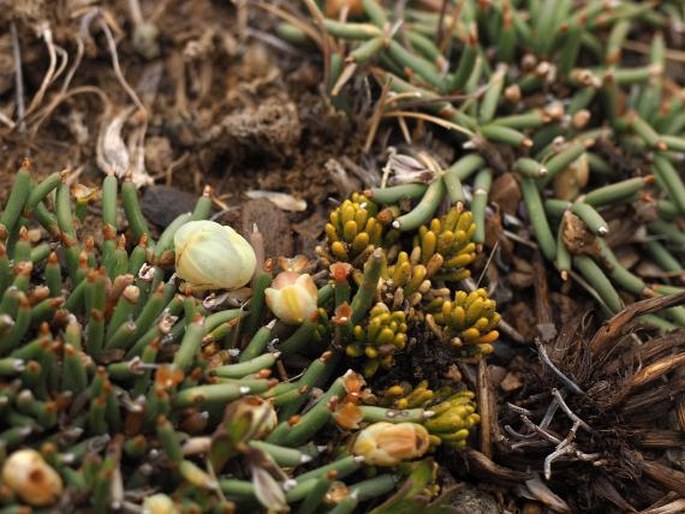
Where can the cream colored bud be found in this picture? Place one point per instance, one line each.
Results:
(388, 444)
(159, 504)
(213, 256)
(292, 297)
(253, 417)
(31, 478)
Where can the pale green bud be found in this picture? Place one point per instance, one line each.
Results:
(213, 256)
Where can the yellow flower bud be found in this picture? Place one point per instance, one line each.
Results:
(213, 256)
(292, 297)
(31, 478)
(388, 444)
(159, 504)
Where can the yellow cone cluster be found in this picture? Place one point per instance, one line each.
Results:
(403, 396)
(469, 321)
(384, 334)
(407, 279)
(453, 419)
(454, 413)
(354, 230)
(446, 244)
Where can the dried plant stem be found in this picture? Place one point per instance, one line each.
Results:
(18, 77)
(432, 119)
(545, 358)
(290, 18)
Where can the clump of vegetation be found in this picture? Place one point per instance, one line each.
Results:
(539, 98)
(122, 376)
(184, 372)
(565, 136)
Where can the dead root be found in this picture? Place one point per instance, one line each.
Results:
(603, 419)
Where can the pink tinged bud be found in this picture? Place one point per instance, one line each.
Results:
(388, 444)
(292, 297)
(213, 256)
(27, 474)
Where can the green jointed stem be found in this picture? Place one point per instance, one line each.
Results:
(592, 219)
(660, 254)
(423, 68)
(373, 414)
(527, 120)
(675, 188)
(466, 166)
(43, 189)
(136, 220)
(315, 418)
(257, 305)
(481, 189)
(538, 219)
(299, 339)
(258, 343)
(360, 31)
(675, 143)
(488, 105)
(283, 456)
(599, 281)
(394, 194)
(669, 231)
(423, 210)
(506, 135)
(165, 245)
(426, 47)
(376, 12)
(214, 394)
(530, 167)
(221, 317)
(315, 497)
(467, 61)
(18, 196)
(615, 192)
(366, 294)
(242, 369)
(190, 344)
(64, 210)
(619, 274)
(372, 488)
(563, 159)
(110, 187)
(454, 187)
(203, 206)
(168, 439)
(367, 50)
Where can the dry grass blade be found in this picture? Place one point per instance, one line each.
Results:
(658, 369)
(290, 18)
(18, 77)
(487, 408)
(674, 507)
(669, 477)
(544, 494)
(431, 119)
(487, 469)
(377, 116)
(602, 341)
